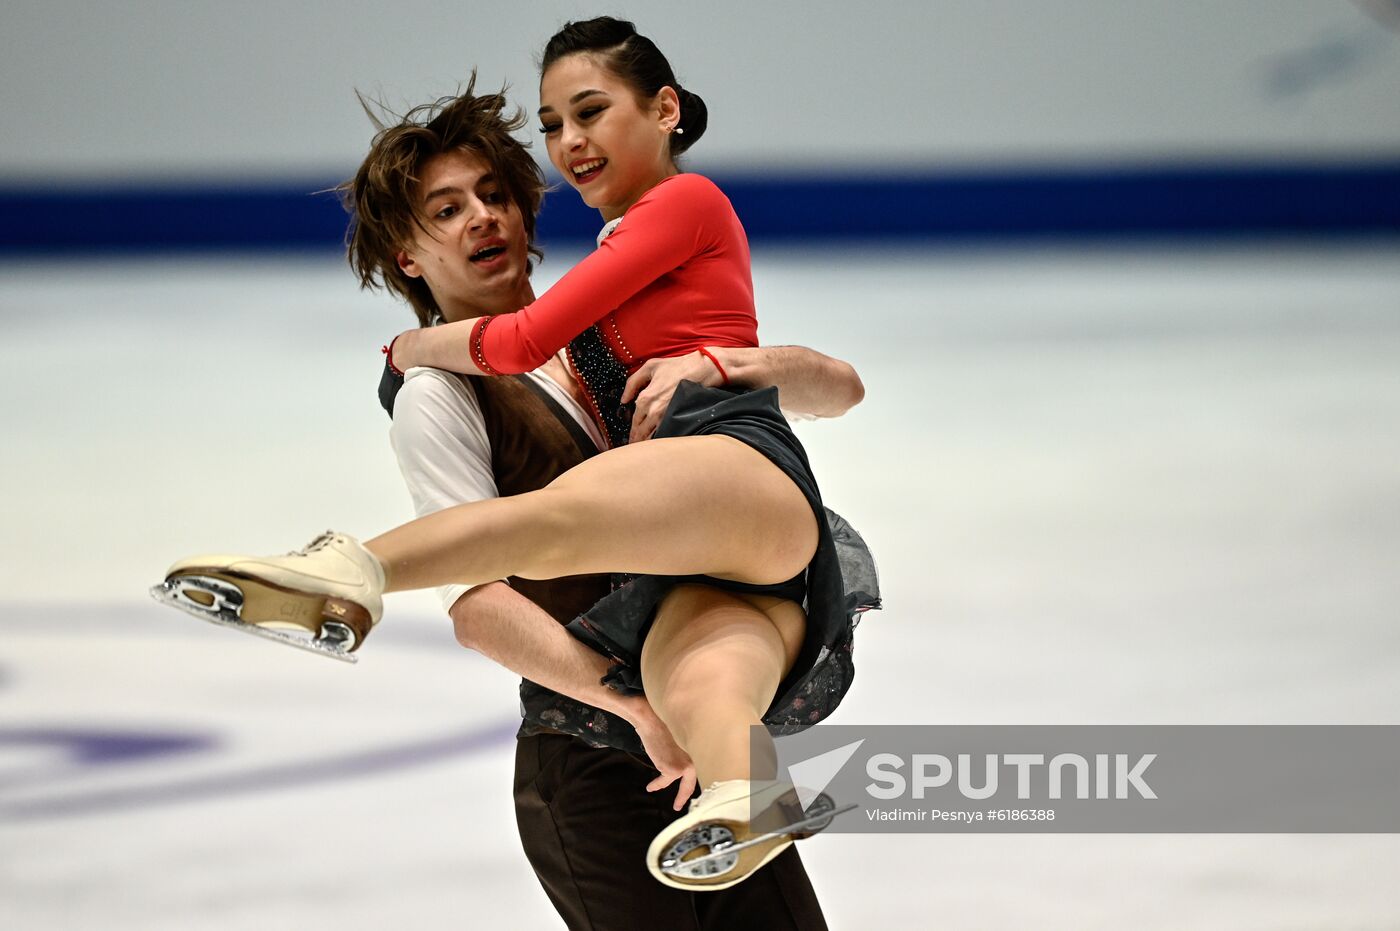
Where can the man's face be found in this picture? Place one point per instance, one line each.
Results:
(473, 255)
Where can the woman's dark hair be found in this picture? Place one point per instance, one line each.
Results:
(636, 60)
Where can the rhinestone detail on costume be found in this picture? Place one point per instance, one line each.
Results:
(603, 377)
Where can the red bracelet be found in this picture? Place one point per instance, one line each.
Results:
(389, 356)
(724, 376)
(478, 352)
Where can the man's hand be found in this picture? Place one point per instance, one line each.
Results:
(810, 382)
(655, 382)
(669, 759)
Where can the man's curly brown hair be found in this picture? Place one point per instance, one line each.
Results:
(383, 197)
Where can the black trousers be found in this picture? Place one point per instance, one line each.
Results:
(586, 820)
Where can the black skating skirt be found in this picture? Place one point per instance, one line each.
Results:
(837, 587)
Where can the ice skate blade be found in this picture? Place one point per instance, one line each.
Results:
(722, 858)
(725, 853)
(226, 599)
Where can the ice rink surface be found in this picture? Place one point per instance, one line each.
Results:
(1105, 484)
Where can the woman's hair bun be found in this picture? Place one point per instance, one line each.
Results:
(694, 117)
(635, 59)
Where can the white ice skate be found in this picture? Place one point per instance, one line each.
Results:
(731, 830)
(325, 598)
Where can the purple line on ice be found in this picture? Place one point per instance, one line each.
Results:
(264, 779)
(88, 749)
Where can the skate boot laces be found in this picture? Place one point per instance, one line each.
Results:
(708, 793)
(320, 543)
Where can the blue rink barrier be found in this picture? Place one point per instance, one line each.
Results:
(1060, 203)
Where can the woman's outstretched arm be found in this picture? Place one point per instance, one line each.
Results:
(663, 230)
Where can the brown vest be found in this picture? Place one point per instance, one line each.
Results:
(530, 447)
(533, 441)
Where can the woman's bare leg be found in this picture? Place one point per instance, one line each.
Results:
(675, 506)
(710, 667)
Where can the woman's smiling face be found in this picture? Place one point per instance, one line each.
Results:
(609, 145)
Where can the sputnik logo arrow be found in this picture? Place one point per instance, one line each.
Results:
(811, 776)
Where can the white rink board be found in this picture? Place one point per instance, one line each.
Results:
(156, 90)
(1105, 485)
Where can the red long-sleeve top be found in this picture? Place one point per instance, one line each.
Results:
(672, 277)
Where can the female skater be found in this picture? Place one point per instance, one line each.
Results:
(723, 496)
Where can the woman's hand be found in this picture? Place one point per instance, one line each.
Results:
(655, 382)
(445, 346)
(670, 760)
(399, 352)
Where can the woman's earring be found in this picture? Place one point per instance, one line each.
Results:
(679, 131)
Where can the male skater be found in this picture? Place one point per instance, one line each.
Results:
(444, 211)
